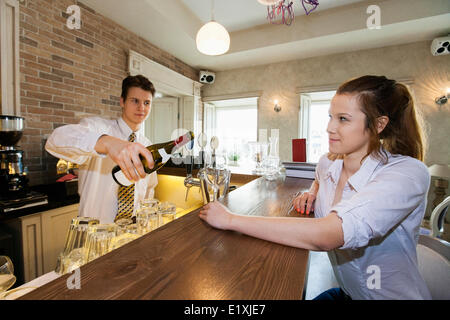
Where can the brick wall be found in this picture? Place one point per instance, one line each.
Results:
(68, 74)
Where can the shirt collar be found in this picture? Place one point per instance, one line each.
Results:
(334, 171)
(361, 177)
(126, 130)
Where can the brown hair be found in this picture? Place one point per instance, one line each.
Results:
(379, 96)
(138, 81)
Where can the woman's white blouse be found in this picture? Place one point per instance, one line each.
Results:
(382, 207)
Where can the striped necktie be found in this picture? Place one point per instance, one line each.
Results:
(125, 196)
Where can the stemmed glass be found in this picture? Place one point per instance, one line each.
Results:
(7, 277)
(258, 151)
(215, 173)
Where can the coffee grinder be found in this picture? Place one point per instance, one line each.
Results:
(14, 189)
(13, 178)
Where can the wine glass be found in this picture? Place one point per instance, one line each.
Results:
(7, 277)
(258, 151)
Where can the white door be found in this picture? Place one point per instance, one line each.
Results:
(163, 120)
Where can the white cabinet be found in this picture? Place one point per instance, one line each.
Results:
(43, 238)
(55, 224)
(32, 246)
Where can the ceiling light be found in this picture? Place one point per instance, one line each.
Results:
(213, 39)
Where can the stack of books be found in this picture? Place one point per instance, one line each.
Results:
(304, 170)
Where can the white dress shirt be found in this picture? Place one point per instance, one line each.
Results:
(96, 187)
(382, 207)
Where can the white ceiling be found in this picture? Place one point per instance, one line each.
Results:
(335, 26)
(236, 15)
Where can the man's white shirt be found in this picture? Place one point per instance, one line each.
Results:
(96, 186)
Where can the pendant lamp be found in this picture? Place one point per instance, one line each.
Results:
(213, 39)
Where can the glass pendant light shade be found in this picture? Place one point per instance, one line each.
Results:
(213, 39)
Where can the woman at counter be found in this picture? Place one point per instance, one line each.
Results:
(369, 196)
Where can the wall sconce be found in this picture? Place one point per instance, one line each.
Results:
(443, 100)
(277, 107)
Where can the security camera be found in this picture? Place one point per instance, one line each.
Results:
(207, 77)
(440, 46)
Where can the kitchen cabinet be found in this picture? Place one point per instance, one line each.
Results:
(55, 224)
(31, 228)
(43, 238)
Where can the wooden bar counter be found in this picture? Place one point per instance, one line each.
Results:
(188, 259)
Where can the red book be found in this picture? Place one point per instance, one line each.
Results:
(299, 150)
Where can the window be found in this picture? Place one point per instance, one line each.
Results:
(233, 121)
(313, 121)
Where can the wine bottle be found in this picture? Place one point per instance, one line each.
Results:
(161, 153)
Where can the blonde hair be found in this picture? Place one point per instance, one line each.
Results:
(379, 96)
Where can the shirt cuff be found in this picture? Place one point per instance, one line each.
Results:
(355, 231)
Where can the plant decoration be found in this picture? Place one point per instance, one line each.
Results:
(282, 12)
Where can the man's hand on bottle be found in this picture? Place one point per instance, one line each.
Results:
(126, 155)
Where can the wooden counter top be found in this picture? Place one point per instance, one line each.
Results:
(188, 259)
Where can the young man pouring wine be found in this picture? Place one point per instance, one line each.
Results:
(97, 145)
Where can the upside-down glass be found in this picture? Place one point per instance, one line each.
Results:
(149, 203)
(147, 220)
(122, 225)
(7, 277)
(166, 212)
(73, 254)
(76, 236)
(130, 233)
(99, 240)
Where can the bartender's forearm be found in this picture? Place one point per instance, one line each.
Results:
(103, 143)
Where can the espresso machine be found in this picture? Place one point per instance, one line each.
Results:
(14, 190)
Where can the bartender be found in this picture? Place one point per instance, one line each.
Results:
(98, 144)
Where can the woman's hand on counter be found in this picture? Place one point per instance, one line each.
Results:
(306, 199)
(216, 215)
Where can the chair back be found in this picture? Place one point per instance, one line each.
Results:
(433, 257)
(437, 218)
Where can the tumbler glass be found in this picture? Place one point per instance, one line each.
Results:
(122, 225)
(99, 240)
(166, 212)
